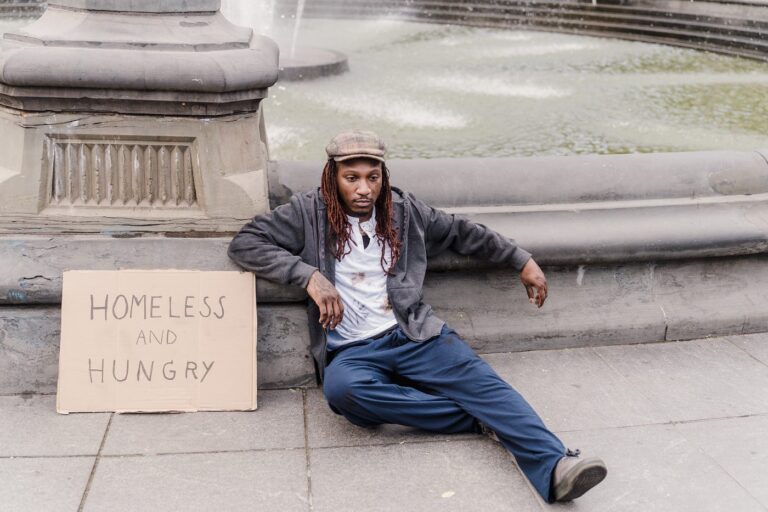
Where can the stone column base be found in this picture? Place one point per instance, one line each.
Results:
(177, 173)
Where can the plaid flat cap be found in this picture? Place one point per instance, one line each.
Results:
(356, 144)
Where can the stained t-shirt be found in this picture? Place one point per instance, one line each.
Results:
(362, 284)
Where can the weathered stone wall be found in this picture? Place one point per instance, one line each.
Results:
(588, 305)
(591, 209)
(636, 248)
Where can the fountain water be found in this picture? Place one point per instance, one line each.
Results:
(296, 62)
(259, 14)
(451, 91)
(297, 26)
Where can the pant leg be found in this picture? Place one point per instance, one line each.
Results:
(358, 384)
(447, 366)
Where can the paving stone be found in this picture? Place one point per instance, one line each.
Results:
(755, 344)
(740, 447)
(693, 379)
(464, 475)
(654, 468)
(43, 484)
(574, 389)
(261, 480)
(29, 349)
(30, 426)
(324, 428)
(277, 423)
(711, 298)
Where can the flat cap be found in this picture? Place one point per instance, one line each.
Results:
(356, 144)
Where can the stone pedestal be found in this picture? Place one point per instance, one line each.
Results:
(136, 119)
(180, 173)
(133, 110)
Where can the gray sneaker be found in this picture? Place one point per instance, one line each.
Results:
(574, 476)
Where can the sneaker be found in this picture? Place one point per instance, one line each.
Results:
(574, 476)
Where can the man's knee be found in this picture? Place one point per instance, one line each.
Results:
(333, 389)
(343, 390)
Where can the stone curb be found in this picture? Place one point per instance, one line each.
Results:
(590, 305)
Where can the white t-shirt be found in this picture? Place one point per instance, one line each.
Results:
(362, 284)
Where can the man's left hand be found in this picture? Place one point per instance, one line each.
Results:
(535, 283)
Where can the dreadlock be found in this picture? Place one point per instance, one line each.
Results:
(341, 230)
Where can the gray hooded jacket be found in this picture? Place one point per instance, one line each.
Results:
(288, 245)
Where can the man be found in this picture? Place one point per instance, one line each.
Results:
(359, 247)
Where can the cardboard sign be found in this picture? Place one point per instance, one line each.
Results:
(157, 340)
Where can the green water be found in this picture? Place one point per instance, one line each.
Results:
(437, 91)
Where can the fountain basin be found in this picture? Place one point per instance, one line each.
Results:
(735, 27)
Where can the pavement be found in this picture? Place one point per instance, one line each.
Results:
(682, 426)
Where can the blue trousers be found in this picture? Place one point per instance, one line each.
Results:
(439, 385)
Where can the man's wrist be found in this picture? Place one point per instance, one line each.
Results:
(521, 259)
(307, 271)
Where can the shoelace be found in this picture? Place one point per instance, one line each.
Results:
(572, 453)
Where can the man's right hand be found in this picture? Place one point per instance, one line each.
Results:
(327, 299)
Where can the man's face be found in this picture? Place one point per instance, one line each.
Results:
(359, 183)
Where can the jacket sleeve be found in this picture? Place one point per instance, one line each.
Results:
(269, 245)
(448, 231)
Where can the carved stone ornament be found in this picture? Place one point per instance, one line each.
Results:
(121, 173)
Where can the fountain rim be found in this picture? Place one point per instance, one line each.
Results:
(720, 26)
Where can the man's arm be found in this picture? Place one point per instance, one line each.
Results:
(447, 231)
(269, 246)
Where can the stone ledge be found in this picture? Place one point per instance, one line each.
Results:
(29, 348)
(33, 266)
(32, 274)
(590, 305)
(625, 208)
(554, 180)
(235, 70)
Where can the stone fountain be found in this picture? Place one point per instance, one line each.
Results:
(132, 137)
